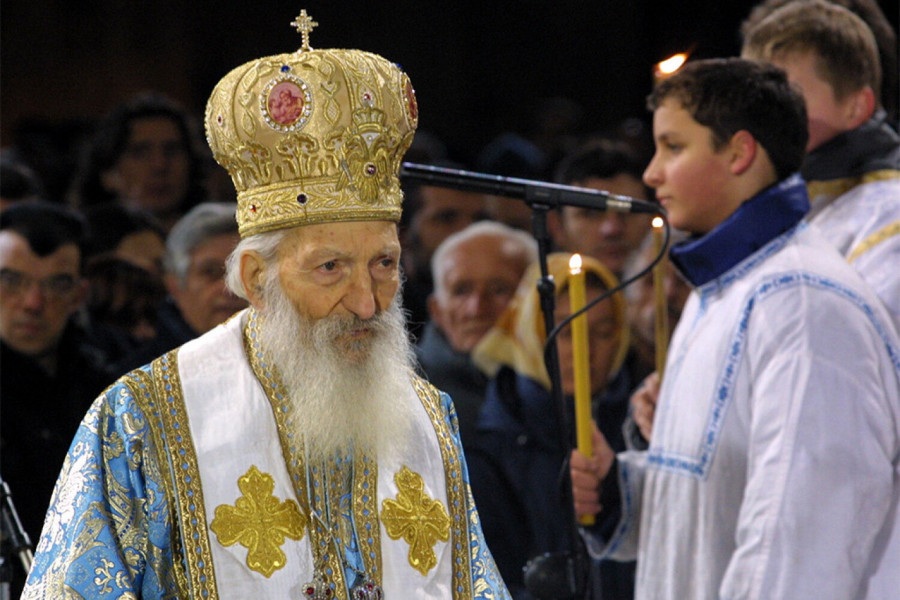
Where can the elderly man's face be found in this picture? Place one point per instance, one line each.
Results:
(341, 269)
(481, 276)
(38, 294)
(203, 298)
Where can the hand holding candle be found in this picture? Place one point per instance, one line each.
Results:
(581, 364)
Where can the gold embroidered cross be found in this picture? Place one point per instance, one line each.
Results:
(260, 522)
(304, 25)
(418, 519)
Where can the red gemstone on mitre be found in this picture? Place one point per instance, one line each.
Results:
(252, 208)
(411, 101)
(310, 591)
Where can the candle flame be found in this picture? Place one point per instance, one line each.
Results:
(657, 222)
(672, 64)
(575, 263)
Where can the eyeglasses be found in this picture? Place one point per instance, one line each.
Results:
(55, 287)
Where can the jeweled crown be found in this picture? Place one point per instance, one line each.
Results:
(313, 136)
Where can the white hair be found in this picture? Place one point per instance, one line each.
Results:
(264, 244)
(203, 222)
(345, 393)
(518, 243)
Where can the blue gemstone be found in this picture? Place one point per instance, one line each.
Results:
(285, 68)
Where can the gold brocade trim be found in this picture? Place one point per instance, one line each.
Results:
(886, 232)
(421, 521)
(456, 489)
(160, 398)
(837, 187)
(260, 522)
(141, 387)
(365, 508)
(320, 479)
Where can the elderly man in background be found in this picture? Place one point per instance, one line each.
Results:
(292, 451)
(476, 272)
(430, 216)
(198, 300)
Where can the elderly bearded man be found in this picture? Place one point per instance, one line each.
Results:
(290, 452)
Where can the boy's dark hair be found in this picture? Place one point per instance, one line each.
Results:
(44, 225)
(728, 95)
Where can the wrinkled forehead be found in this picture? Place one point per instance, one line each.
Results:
(343, 236)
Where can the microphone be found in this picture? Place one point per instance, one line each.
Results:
(15, 538)
(532, 192)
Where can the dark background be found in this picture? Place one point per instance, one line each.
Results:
(478, 67)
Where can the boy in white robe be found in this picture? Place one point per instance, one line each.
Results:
(774, 466)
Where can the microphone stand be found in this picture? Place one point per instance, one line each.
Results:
(557, 576)
(15, 542)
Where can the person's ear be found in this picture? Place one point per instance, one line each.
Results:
(860, 107)
(172, 284)
(743, 149)
(253, 269)
(434, 310)
(175, 289)
(112, 181)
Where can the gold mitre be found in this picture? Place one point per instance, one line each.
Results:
(314, 136)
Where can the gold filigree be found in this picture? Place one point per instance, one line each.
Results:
(418, 519)
(463, 538)
(304, 25)
(260, 522)
(161, 399)
(360, 115)
(106, 577)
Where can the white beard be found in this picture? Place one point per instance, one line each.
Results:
(345, 393)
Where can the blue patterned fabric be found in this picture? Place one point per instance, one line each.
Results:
(110, 531)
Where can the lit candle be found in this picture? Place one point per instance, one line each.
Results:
(659, 291)
(669, 66)
(581, 364)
